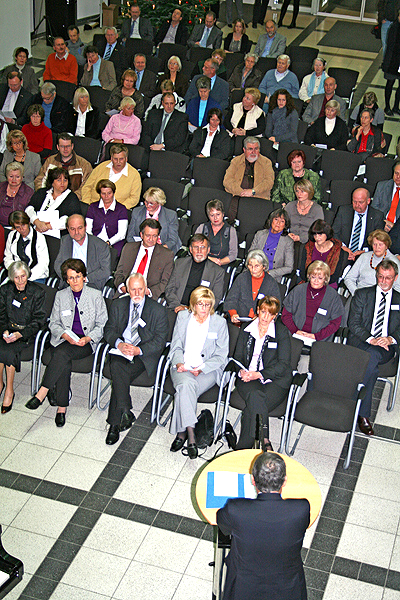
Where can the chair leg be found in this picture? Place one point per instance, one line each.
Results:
(390, 406)
(352, 433)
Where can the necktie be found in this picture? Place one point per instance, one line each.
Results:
(355, 240)
(204, 37)
(393, 207)
(135, 337)
(108, 52)
(380, 316)
(143, 263)
(132, 28)
(21, 249)
(160, 135)
(139, 78)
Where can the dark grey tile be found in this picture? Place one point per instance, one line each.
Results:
(319, 560)
(354, 468)
(339, 495)
(122, 459)
(95, 501)
(165, 520)
(342, 480)
(51, 568)
(397, 435)
(144, 420)
(330, 526)
(85, 517)
(372, 574)
(25, 483)
(7, 478)
(316, 579)
(39, 588)
(48, 489)
(209, 533)
(119, 508)
(75, 534)
(325, 543)
(104, 486)
(304, 552)
(71, 495)
(361, 442)
(114, 472)
(356, 456)
(140, 433)
(315, 594)
(385, 431)
(191, 527)
(346, 567)
(335, 510)
(142, 514)
(131, 444)
(393, 580)
(64, 551)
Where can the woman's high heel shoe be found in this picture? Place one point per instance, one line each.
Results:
(6, 409)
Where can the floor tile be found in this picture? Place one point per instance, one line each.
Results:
(159, 549)
(188, 584)
(90, 443)
(16, 592)
(383, 455)
(75, 471)
(139, 487)
(44, 433)
(342, 587)
(377, 513)
(391, 595)
(199, 563)
(29, 547)
(182, 501)
(366, 545)
(31, 459)
(154, 459)
(32, 517)
(395, 562)
(7, 445)
(68, 592)
(146, 581)
(11, 502)
(17, 423)
(116, 536)
(374, 482)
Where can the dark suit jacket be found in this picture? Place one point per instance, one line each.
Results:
(178, 280)
(145, 29)
(343, 223)
(181, 83)
(253, 79)
(59, 115)
(240, 296)
(148, 83)
(168, 220)
(181, 35)
(91, 123)
(98, 262)
(22, 104)
(222, 145)
(383, 197)
(153, 336)
(160, 269)
(118, 57)
(175, 133)
(219, 92)
(192, 110)
(214, 40)
(362, 313)
(267, 536)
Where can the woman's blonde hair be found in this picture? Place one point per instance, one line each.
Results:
(80, 93)
(334, 104)
(381, 236)
(15, 134)
(306, 186)
(255, 93)
(321, 267)
(156, 194)
(202, 293)
(126, 101)
(177, 59)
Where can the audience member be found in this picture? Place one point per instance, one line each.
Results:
(282, 118)
(279, 78)
(366, 138)
(276, 244)
(84, 116)
(17, 150)
(107, 219)
(246, 118)
(127, 89)
(172, 31)
(97, 71)
(221, 235)
(329, 131)
(166, 86)
(391, 64)
(173, 72)
(26, 244)
(246, 74)
(369, 101)
(303, 212)
(61, 66)
(14, 193)
(15, 98)
(313, 83)
(166, 128)
(111, 49)
(29, 77)
(283, 190)
(219, 87)
(56, 108)
(386, 197)
(38, 136)
(316, 106)
(271, 43)
(198, 107)
(146, 80)
(124, 127)
(218, 55)
(237, 40)
(206, 35)
(75, 45)
(136, 27)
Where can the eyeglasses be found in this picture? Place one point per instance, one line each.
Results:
(75, 277)
(203, 304)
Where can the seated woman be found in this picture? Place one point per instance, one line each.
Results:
(366, 138)
(363, 273)
(154, 201)
(249, 287)
(76, 324)
(173, 72)
(22, 315)
(329, 131)
(313, 83)
(237, 40)
(314, 310)
(84, 116)
(246, 117)
(263, 347)
(29, 77)
(212, 140)
(324, 247)
(17, 150)
(222, 237)
(282, 118)
(166, 86)
(14, 193)
(369, 101)
(245, 75)
(277, 246)
(283, 190)
(39, 137)
(123, 128)
(304, 212)
(27, 245)
(50, 207)
(198, 108)
(127, 89)
(108, 219)
(199, 352)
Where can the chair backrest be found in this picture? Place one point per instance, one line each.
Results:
(378, 169)
(197, 53)
(84, 207)
(165, 51)
(232, 59)
(341, 192)
(285, 148)
(252, 214)
(97, 39)
(154, 64)
(209, 172)
(300, 69)
(346, 80)
(53, 246)
(302, 127)
(50, 294)
(87, 148)
(99, 97)
(303, 53)
(266, 63)
(197, 200)
(339, 163)
(236, 96)
(65, 89)
(233, 332)
(135, 45)
(168, 165)
(172, 189)
(329, 365)
(137, 156)
(187, 69)
(296, 348)
(388, 139)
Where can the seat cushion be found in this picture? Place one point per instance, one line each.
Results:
(325, 411)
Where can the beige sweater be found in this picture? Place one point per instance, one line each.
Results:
(128, 187)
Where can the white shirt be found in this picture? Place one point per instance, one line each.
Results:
(10, 100)
(135, 32)
(80, 251)
(329, 125)
(378, 298)
(206, 150)
(63, 57)
(115, 176)
(81, 123)
(196, 335)
(259, 341)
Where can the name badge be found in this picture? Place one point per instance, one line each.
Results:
(272, 345)
(212, 335)
(395, 307)
(260, 296)
(16, 303)
(141, 323)
(66, 313)
(205, 283)
(322, 311)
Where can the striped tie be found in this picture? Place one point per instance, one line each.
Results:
(355, 240)
(108, 52)
(135, 337)
(380, 317)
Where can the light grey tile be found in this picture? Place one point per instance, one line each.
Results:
(147, 581)
(321, 466)
(17, 591)
(188, 584)
(375, 482)
(75, 471)
(17, 423)
(68, 592)
(383, 455)
(143, 489)
(154, 459)
(44, 516)
(199, 565)
(116, 536)
(366, 545)
(90, 443)
(29, 547)
(391, 595)
(31, 459)
(7, 445)
(339, 588)
(182, 501)
(381, 514)
(45, 433)
(395, 562)
(11, 502)
(159, 548)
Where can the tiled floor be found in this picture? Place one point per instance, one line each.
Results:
(93, 522)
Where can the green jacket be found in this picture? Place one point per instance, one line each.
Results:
(283, 187)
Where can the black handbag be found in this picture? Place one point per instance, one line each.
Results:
(204, 429)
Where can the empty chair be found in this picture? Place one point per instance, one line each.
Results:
(209, 172)
(300, 69)
(285, 148)
(232, 59)
(266, 63)
(137, 157)
(165, 51)
(390, 369)
(302, 54)
(346, 80)
(64, 89)
(135, 45)
(154, 64)
(168, 165)
(301, 130)
(378, 170)
(341, 192)
(197, 53)
(197, 200)
(99, 97)
(87, 148)
(339, 163)
(252, 214)
(172, 189)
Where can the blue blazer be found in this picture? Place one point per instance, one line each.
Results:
(219, 92)
(192, 111)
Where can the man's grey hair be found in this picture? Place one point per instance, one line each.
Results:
(48, 88)
(385, 265)
(251, 55)
(284, 57)
(136, 276)
(114, 29)
(251, 140)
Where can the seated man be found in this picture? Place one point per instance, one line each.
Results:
(61, 66)
(146, 80)
(136, 27)
(386, 198)
(374, 324)
(14, 97)
(125, 177)
(78, 168)
(56, 108)
(173, 31)
(111, 49)
(97, 71)
(267, 536)
(191, 271)
(165, 128)
(271, 43)
(207, 34)
(152, 260)
(90, 249)
(316, 106)
(279, 78)
(249, 174)
(219, 87)
(75, 45)
(137, 328)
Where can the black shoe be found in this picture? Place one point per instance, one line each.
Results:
(33, 403)
(292, 26)
(192, 451)
(60, 419)
(280, 24)
(388, 111)
(126, 421)
(396, 111)
(177, 444)
(52, 397)
(6, 409)
(113, 435)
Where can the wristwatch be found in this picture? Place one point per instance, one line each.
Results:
(253, 192)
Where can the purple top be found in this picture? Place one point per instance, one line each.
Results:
(109, 219)
(76, 325)
(18, 202)
(271, 245)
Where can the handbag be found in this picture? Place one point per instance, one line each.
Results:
(376, 31)
(204, 429)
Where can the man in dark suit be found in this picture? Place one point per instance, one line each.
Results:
(14, 97)
(386, 198)
(206, 35)
(136, 27)
(316, 106)
(165, 128)
(374, 324)
(219, 87)
(152, 260)
(111, 48)
(353, 223)
(146, 80)
(191, 271)
(90, 249)
(137, 328)
(267, 536)
(173, 31)
(57, 119)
